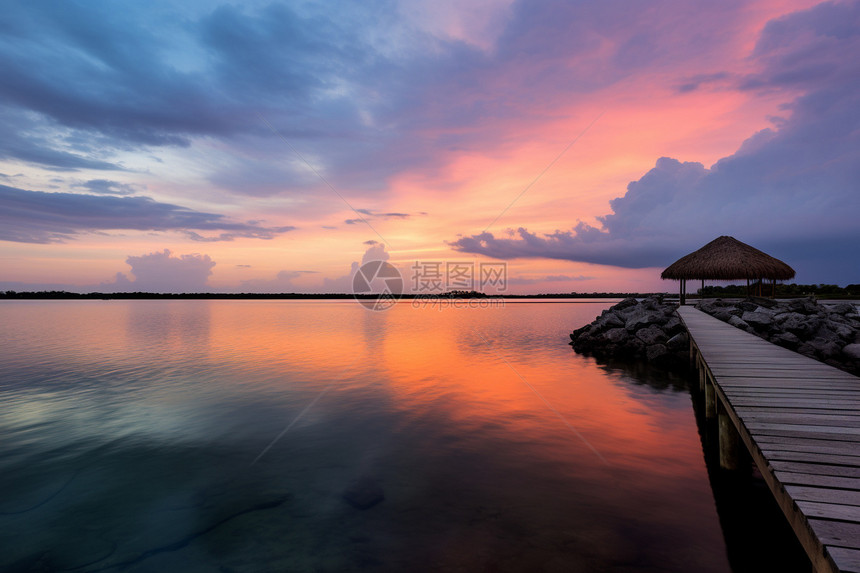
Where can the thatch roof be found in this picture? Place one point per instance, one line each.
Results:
(726, 258)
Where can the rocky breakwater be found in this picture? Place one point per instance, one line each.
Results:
(827, 332)
(634, 329)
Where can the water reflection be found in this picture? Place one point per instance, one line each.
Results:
(134, 451)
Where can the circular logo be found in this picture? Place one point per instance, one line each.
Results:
(379, 278)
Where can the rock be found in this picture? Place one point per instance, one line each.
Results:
(626, 303)
(786, 339)
(651, 335)
(803, 306)
(739, 323)
(825, 349)
(655, 351)
(805, 349)
(612, 320)
(781, 317)
(765, 302)
(747, 305)
(679, 342)
(800, 325)
(843, 308)
(616, 335)
(633, 347)
(852, 351)
(630, 328)
(722, 314)
(757, 319)
(363, 493)
(674, 326)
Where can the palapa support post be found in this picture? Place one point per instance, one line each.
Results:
(683, 292)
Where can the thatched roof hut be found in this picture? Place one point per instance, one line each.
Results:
(726, 258)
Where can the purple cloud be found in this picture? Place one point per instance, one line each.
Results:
(791, 190)
(40, 217)
(162, 272)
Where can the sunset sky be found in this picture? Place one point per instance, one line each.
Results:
(272, 147)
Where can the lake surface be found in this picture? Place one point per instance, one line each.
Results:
(261, 435)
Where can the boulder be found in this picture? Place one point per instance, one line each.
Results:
(611, 320)
(651, 335)
(722, 314)
(739, 323)
(616, 335)
(844, 308)
(626, 303)
(758, 319)
(786, 339)
(679, 342)
(633, 347)
(825, 349)
(852, 351)
(674, 326)
(655, 351)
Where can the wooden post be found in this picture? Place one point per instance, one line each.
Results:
(710, 400)
(682, 293)
(730, 442)
(702, 292)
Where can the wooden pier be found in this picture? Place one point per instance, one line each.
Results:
(798, 419)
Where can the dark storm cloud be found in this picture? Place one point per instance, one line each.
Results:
(39, 217)
(792, 190)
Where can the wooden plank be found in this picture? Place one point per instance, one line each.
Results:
(825, 420)
(778, 371)
(792, 410)
(836, 511)
(791, 391)
(851, 405)
(815, 457)
(823, 494)
(817, 384)
(816, 444)
(818, 481)
(816, 469)
(837, 533)
(824, 435)
(756, 426)
(848, 560)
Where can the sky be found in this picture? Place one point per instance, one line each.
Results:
(275, 147)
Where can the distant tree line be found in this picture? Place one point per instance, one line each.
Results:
(786, 290)
(57, 294)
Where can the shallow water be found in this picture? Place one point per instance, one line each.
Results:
(197, 435)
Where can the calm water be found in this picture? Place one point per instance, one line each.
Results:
(130, 431)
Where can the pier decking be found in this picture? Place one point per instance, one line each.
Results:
(800, 421)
